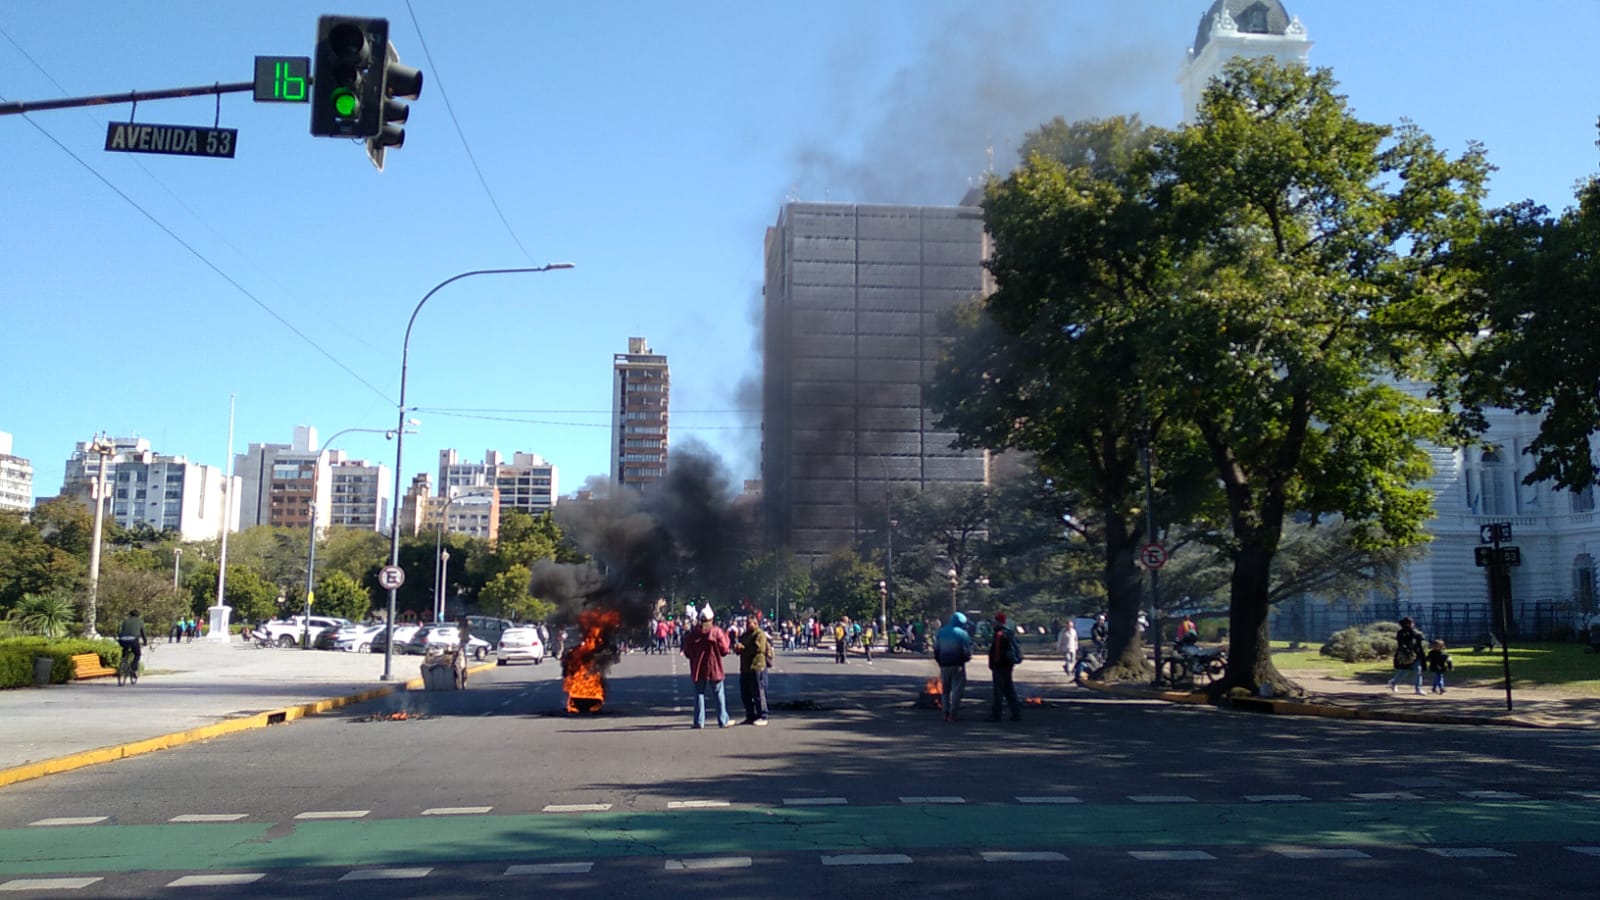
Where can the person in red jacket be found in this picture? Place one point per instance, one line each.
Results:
(705, 645)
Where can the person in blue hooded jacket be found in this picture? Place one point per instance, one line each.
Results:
(952, 647)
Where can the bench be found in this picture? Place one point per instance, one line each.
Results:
(88, 665)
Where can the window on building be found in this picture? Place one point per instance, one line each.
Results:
(1498, 493)
(1583, 581)
(1583, 501)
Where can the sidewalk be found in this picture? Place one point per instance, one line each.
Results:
(192, 692)
(1469, 704)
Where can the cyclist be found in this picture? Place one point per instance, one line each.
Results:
(130, 636)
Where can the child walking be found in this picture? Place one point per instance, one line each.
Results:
(1439, 662)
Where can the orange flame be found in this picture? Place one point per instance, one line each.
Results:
(933, 687)
(586, 689)
(1034, 701)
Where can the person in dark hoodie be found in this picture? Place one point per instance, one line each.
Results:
(952, 647)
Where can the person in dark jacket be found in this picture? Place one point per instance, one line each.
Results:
(1004, 654)
(755, 658)
(705, 646)
(1409, 653)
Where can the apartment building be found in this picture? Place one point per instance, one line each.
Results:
(16, 479)
(641, 394)
(165, 493)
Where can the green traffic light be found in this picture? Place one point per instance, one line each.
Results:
(344, 102)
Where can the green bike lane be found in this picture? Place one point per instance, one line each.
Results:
(546, 837)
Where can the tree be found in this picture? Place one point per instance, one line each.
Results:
(847, 586)
(31, 565)
(342, 596)
(124, 589)
(507, 595)
(1540, 276)
(1319, 274)
(1062, 360)
(51, 615)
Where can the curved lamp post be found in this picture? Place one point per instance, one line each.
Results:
(399, 437)
(955, 582)
(443, 555)
(311, 550)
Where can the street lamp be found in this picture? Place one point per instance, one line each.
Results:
(399, 442)
(177, 555)
(883, 619)
(438, 591)
(955, 582)
(311, 548)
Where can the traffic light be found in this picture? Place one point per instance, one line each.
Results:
(397, 81)
(347, 76)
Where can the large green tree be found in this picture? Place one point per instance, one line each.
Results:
(1318, 272)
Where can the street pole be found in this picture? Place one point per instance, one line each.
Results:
(103, 448)
(1150, 531)
(399, 439)
(311, 560)
(177, 556)
(955, 581)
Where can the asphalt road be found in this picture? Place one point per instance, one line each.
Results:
(852, 791)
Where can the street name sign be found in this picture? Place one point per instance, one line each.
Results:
(171, 140)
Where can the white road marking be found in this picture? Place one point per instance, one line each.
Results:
(567, 868)
(457, 810)
(815, 801)
(868, 859)
(1048, 800)
(1161, 798)
(71, 820)
(385, 874)
(47, 884)
(1170, 855)
(697, 804)
(1493, 795)
(1319, 853)
(217, 880)
(335, 814)
(577, 807)
(714, 862)
(1587, 795)
(1392, 795)
(209, 817)
(1276, 798)
(1468, 852)
(1006, 856)
(932, 800)
(1586, 851)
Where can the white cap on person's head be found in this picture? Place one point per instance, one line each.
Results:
(705, 613)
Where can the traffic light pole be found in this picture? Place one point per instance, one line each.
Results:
(27, 106)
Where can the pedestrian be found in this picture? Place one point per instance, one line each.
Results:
(1408, 654)
(1099, 632)
(841, 633)
(952, 647)
(1439, 662)
(176, 633)
(705, 646)
(1067, 645)
(755, 658)
(1005, 654)
(1187, 632)
(867, 636)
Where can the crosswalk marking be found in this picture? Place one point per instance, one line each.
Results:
(1320, 853)
(1161, 798)
(577, 807)
(1493, 795)
(815, 801)
(1170, 855)
(1467, 852)
(335, 814)
(697, 804)
(713, 862)
(219, 880)
(563, 868)
(1005, 856)
(208, 817)
(1586, 851)
(929, 800)
(1276, 798)
(47, 884)
(457, 810)
(384, 874)
(69, 820)
(1048, 800)
(867, 859)
(1388, 795)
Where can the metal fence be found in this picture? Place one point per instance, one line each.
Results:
(1455, 623)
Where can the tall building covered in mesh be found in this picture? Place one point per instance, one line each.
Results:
(853, 298)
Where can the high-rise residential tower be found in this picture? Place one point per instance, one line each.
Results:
(852, 332)
(16, 478)
(641, 390)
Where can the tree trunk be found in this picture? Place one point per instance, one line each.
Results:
(1249, 641)
(1124, 649)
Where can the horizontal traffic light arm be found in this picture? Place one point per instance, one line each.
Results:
(26, 106)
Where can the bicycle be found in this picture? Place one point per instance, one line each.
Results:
(127, 669)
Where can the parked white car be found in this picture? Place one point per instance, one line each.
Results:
(355, 638)
(445, 637)
(402, 636)
(520, 644)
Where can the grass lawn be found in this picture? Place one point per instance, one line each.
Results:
(1561, 665)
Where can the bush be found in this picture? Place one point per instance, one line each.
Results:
(16, 657)
(1366, 643)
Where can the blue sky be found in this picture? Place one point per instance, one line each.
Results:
(649, 143)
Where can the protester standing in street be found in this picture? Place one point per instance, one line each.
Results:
(952, 647)
(705, 645)
(1004, 655)
(755, 658)
(1067, 645)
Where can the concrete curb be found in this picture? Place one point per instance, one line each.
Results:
(1324, 710)
(250, 722)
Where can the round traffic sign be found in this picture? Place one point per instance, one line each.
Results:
(391, 577)
(1153, 555)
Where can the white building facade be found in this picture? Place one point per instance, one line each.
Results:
(16, 479)
(166, 493)
(527, 482)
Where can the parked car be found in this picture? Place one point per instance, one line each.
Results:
(489, 627)
(402, 634)
(520, 644)
(445, 636)
(351, 639)
(287, 632)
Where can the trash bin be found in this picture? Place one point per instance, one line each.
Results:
(42, 666)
